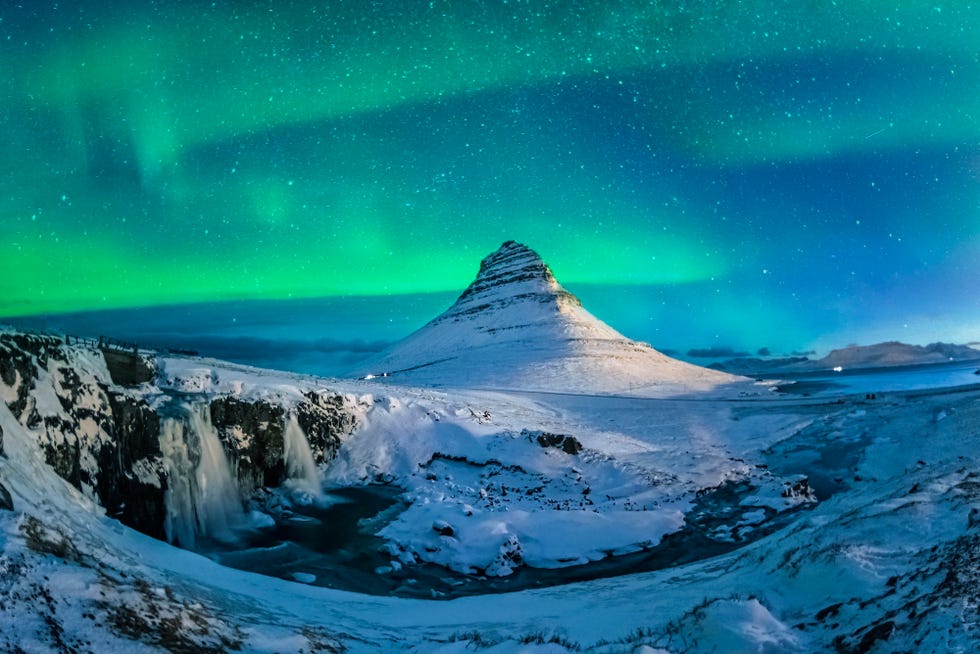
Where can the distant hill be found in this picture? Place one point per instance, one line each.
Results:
(880, 355)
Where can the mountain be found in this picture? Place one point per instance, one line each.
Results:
(894, 353)
(758, 366)
(515, 327)
(880, 355)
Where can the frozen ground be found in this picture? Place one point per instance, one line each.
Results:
(886, 561)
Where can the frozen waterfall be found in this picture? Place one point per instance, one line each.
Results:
(300, 467)
(202, 498)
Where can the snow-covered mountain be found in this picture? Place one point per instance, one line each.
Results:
(894, 353)
(515, 327)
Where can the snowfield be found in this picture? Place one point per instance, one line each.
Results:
(886, 562)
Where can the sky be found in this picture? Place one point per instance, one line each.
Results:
(793, 176)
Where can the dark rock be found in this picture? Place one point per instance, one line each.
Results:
(1, 440)
(61, 449)
(829, 612)
(443, 528)
(326, 419)
(881, 631)
(128, 368)
(6, 502)
(128, 433)
(107, 443)
(137, 503)
(20, 357)
(798, 488)
(563, 442)
(137, 426)
(259, 458)
(493, 464)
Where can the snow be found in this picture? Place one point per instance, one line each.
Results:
(889, 555)
(515, 327)
(844, 551)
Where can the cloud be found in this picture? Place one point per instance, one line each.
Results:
(265, 348)
(716, 352)
(324, 356)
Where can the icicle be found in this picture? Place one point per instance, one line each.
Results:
(201, 500)
(298, 458)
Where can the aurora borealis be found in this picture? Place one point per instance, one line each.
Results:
(754, 174)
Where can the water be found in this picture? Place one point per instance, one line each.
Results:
(179, 524)
(880, 380)
(329, 543)
(334, 546)
(828, 460)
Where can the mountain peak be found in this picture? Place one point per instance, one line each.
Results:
(512, 263)
(513, 273)
(516, 327)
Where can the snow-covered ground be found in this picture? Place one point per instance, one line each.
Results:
(497, 480)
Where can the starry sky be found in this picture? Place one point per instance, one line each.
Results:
(704, 175)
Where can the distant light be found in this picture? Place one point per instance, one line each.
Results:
(368, 377)
(838, 368)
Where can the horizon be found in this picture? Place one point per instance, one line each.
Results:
(241, 331)
(701, 179)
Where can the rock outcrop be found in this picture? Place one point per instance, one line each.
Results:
(101, 441)
(252, 433)
(6, 502)
(105, 438)
(128, 367)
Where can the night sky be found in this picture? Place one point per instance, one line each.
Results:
(788, 175)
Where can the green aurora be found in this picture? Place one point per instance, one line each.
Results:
(785, 172)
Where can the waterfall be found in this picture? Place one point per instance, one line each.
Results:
(179, 497)
(202, 500)
(219, 504)
(298, 458)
